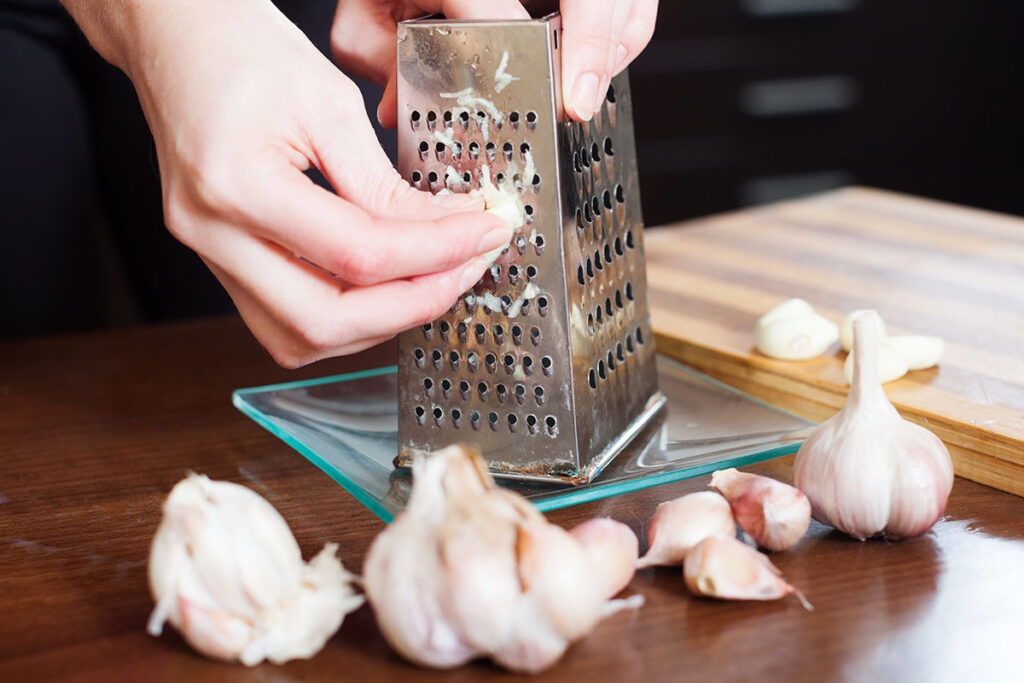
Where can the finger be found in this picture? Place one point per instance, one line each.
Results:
(387, 110)
(301, 314)
(333, 233)
(591, 30)
(363, 38)
(638, 31)
(474, 9)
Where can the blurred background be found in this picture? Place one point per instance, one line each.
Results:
(736, 103)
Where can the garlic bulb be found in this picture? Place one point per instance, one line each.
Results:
(868, 471)
(226, 571)
(794, 331)
(726, 568)
(678, 525)
(897, 354)
(613, 549)
(472, 570)
(774, 514)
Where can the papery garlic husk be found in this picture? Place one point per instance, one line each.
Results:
(774, 514)
(471, 570)
(226, 572)
(868, 471)
(793, 330)
(891, 363)
(726, 568)
(678, 525)
(613, 548)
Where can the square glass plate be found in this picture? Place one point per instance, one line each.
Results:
(347, 425)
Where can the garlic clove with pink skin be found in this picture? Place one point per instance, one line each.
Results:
(225, 571)
(613, 549)
(774, 514)
(471, 570)
(726, 568)
(680, 524)
(867, 471)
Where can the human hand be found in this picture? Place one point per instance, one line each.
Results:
(240, 104)
(599, 38)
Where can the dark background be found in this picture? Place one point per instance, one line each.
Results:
(736, 103)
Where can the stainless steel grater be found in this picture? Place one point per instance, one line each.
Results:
(548, 363)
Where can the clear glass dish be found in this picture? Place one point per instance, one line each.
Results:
(347, 425)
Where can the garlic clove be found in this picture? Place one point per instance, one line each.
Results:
(225, 570)
(613, 550)
(678, 525)
(891, 363)
(918, 351)
(774, 514)
(794, 331)
(866, 470)
(846, 327)
(726, 568)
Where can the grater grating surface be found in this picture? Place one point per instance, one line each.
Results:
(548, 362)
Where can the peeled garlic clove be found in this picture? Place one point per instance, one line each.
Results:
(868, 471)
(226, 571)
(613, 549)
(846, 327)
(725, 568)
(678, 525)
(891, 363)
(794, 331)
(917, 350)
(471, 570)
(774, 514)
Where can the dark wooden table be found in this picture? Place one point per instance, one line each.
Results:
(95, 429)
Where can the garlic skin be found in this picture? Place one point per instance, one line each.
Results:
(226, 572)
(793, 330)
(726, 568)
(471, 570)
(891, 363)
(678, 525)
(868, 471)
(774, 514)
(613, 549)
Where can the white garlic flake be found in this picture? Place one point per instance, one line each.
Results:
(867, 471)
(471, 570)
(225, 571)
(793, 330)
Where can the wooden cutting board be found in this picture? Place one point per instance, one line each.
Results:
(927, 267)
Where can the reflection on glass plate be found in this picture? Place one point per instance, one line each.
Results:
(347, 426)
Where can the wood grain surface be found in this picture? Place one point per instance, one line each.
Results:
(927, 267)
(95, 430)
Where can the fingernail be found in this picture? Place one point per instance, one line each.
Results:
(471, 274)
(620, 58)
(495, 239)
(584, 95)
(456, 201)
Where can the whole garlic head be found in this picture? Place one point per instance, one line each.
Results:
(868, 471)
(793, 330)
(226, 571)
(471, 570)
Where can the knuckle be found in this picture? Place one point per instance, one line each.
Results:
(361, 266)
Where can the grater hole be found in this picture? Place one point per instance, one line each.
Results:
(592, 379)
(597, 261)
(576, 162)
(499, 333)
(618, 298)
(481, 333)
(453, 358)
(463, 387)
(507, 149)
(520, 390)
(456, 415)
(428, 329)
(620, 196)
(513, 118)
(490, 361)
(535, 182)
(424, 147)
(428, 384)
(542, 305)
(439, 149)
(590, 323)
(629, 343)
(531, 422)
(596, 203)
(528, 364)
(611, 94)
(492, 418)
(579, 276)
(629, 239)
(447, 118)
(552, 424)
(472, 361)
(431, 116)
(587, 214)
(464, 118)
(501, 391)
(416, 177)
(618, 352)
(417, 354)
(506, 301)
(608, 149)
(509, 361)
(435, 355)
(538, 393)
(528, 210)
(607, 199)
(520, 243)
(499, 179)
(445, 328)
(481, 389)
(535, 335)
(585, 158)
(517, 334)
(420, 413)
(457, 153)
(599, 314)
(629, 291)
(513, 273)
(432, 177)
(595, 152)
(513, 421)
(547, 364)
(608, 254)
(414, 118)
(490, 147)
(531, 119)
(474, 149)
(639, 336)
(461, 330)
(467, 177)
(531, 270)
(608, 307)
(438, 413)
(601, 371)
(496, 272)
(611, 362)
(523, 148)
(618, 246)
(474, 418)
(590, 267)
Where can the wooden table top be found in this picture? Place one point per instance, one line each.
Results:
(95, 429)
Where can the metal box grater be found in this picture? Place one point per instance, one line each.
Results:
(548, 363)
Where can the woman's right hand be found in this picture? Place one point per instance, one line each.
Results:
(240, 103)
